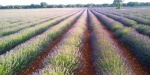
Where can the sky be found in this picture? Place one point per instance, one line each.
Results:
(28, 2)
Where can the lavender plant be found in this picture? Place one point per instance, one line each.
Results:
(13, 40)
(107, 59)
(139, 15)
(66, 56)
(120, 32)
(140, 46)
(110, 23)
(11, 63)
(14, 29)
(143, 29)
(125, 21)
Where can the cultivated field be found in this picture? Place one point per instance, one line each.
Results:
(75, 41)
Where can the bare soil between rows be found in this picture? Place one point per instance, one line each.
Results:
(88, 68)
(36, 64)
(137, 68)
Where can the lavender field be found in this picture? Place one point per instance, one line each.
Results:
(75, 41)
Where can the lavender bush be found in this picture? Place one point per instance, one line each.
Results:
(110, 23)
(107, 59)
(11, 63)
(66, 56)
(143, 29)
(13, 40)
(125, 21)
(140, 46)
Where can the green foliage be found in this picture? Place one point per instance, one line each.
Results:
(44, 4)
(143, 29)
(118, 3)
(35, 6)
(133, 4)
(116, 26)
(122, 31)
(90, 5)
(139, 45)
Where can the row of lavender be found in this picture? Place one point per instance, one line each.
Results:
(66, 57)
(143, 29)
(107, 58)
(11, 63)
(139, 44)
(10, 41)
(14, 18)
(16, 28)
(140, 15)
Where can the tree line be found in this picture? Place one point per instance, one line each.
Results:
(45, 5)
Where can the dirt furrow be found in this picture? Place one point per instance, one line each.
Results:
(36, 64)
(88, 68)
(126, 52)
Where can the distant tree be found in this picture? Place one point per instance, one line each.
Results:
(52, 6)
(26, 6)
(118, 3)
(44, 4)
(69, 6)
(124, 4)
(35, 6)
(148, 3)
(79, 5)
(99, 5)
(17, 7)
(143, 4)
(133, 4)
(11, 7)
(105, 5)
(89, 5)
(61, 6)
(32, 6)
(73, 6)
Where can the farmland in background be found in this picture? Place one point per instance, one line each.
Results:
(75, 41)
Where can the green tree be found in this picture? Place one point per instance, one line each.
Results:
(61, 6)
(34, 6)
(118, 3)
(90, 5)
(133, 4)
(44, 4)
(105, 5)
(79, 5)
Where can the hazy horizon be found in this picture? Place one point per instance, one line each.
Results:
(28, 2)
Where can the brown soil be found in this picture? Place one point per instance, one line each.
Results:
(88, 68)
(137, 68)
(36, 64)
